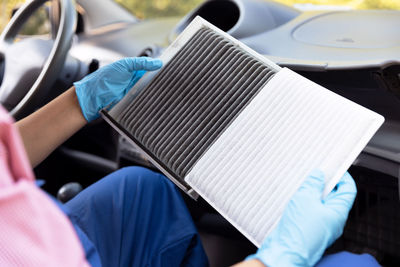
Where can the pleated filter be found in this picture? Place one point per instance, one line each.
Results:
(225, 123)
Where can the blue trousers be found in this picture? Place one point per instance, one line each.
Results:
(135, 217)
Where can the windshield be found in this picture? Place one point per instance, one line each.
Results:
(353, 4)
(166, 8)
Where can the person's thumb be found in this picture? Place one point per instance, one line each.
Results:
(314, 183)
(343, 197)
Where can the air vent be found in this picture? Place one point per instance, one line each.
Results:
(224, 122)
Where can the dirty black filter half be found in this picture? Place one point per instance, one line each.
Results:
(190, 102)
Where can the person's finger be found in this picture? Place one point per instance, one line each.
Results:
(343, 197)
(315, 182)
(144, 63)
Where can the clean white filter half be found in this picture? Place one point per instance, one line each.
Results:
(290, 128)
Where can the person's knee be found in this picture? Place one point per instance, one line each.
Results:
(139, 179)
(134, 173)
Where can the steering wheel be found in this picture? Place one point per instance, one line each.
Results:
(32, 65)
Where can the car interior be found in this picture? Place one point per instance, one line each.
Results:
(354, 53)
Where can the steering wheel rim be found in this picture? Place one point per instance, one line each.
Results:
(56, 59)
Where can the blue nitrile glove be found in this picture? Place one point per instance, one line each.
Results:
(309, 223)
(109, 84)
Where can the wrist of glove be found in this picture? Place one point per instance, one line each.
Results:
(106, 86)
(309, 223)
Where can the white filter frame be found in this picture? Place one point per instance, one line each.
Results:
(286, 81)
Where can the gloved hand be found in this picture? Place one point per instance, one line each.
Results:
(309, 223)
(109, 84)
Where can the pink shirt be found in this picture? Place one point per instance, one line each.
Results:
(33, 230)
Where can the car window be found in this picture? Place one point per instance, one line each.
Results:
(38, 23)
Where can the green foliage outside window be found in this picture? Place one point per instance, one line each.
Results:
(157, 8)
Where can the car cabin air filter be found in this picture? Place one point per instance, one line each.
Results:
(225, 123)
